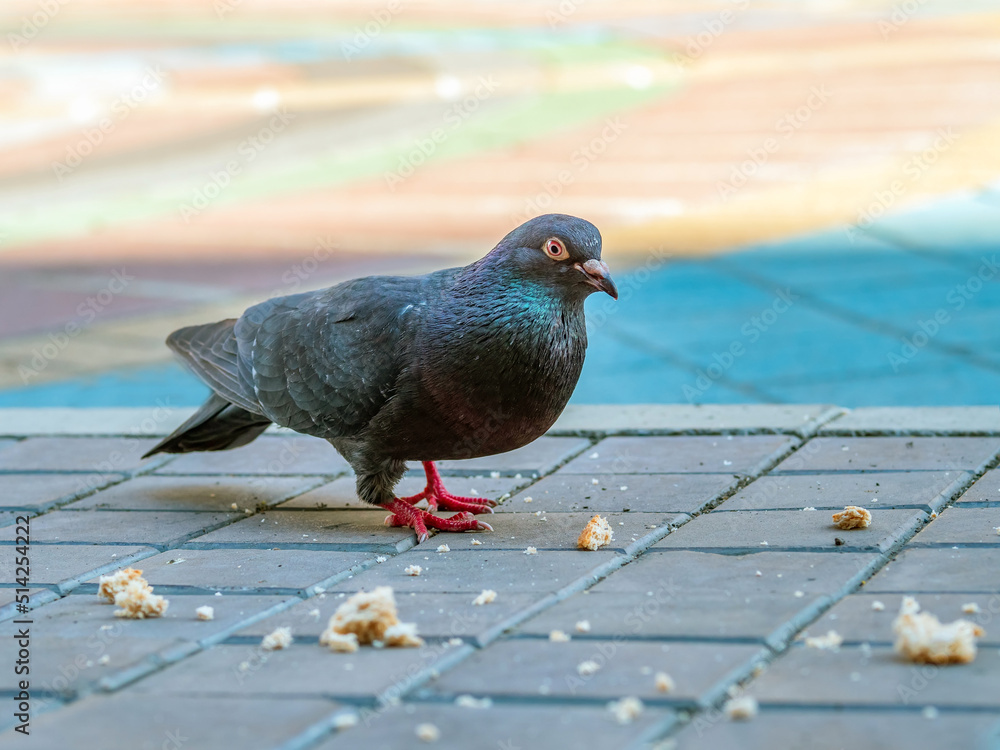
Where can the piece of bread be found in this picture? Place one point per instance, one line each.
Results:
(110, 585)
(741, 709)
(369, 616)
(626, 710)
(488, 596)
(339, 642)
(277, 639)
(853, 517)
(922, 638)
(596, 534)
(205, 613)
(137, 601)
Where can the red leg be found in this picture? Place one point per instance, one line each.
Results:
(404, 514)
(438, 497)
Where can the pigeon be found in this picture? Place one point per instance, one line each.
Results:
(459, 363)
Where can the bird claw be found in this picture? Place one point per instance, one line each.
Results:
(404, 514)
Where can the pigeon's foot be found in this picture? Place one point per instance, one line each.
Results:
(438, 497)
(404, 514)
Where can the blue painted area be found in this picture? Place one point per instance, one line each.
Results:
(842, 317)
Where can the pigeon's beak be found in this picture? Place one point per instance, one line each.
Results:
(596, 274)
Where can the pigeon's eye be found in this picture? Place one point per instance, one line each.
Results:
(555, 249)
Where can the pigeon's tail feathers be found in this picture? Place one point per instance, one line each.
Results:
(217, 426)
(212, 353)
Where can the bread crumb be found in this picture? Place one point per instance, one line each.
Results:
(924, 639)
(531, 551)
(443, 548)
(105, 659)
(381, 559)
(829, 642)
(626, 710)
(344, 643)
(971, 608)
(116, 582)
(278, 639)
(583, 626)
(468, 701)
(853, 517)
(486, 597)
(594, 481)
(528, 499)
(596, 534)
(368, 615)
(664, 682)
(558, 636)
(205, 613)
(587, 667)
(455, 641)
(475, 542)
(741, 709)
(413, 570)
(402, 635)
(878, 606)
(345, 720)
(234, 506)
(137, 601)
(428, 732)
(808, 507)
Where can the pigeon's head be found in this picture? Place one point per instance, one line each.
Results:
(559, 251)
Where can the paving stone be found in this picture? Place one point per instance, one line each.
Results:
(690, 419)
(932, 420)
(532, 460)
(246, 569)
(851, 677)
(118, 527)
(836, 729)
(700, 594)
(532, 667)
(37, 491)
(341, 493)
(678, 493)
(93, 454)
(437, 615)
(534, 727)
(667, 455)
(928, 490)
(270, 454)
(177, 721)
(56, 563)
(855, 620)
(962, 526)
(472, 571)
(790, 529)
(365, 528)
(892, 454)
(303, 669)
(985, 490)
(195, 493)
(940, 570)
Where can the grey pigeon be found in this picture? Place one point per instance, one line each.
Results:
(459, 363)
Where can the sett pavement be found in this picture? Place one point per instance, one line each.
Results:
(715, 574)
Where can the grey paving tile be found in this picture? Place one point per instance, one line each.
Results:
(916, 420)
(940, 570)
(534, 727)
(118, 527)
(270, 454)
(532, 667)
(246, 569)
(855, 620)
(667, 455)
(892, 454)
(196, 493)
(704, 595)
(790, 529)
(56, 563)
(534, 459)
(858, 729)
(94, 454)
(853, 677)
(340, 493)
(37, 491)
(678, 493)
(177, 721)
(472, 571)
(986, 490)
(958, 525)
(928, 490)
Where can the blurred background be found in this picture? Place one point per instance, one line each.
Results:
(800, 199)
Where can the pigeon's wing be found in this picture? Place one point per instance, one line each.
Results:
(324, 363)
(211, 352)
